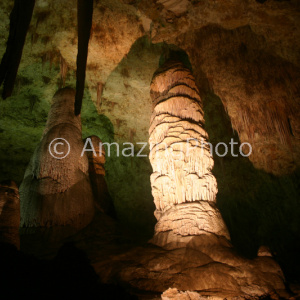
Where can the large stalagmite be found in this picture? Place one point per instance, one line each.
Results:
(183, 186)
(194, 252)
(57, 191)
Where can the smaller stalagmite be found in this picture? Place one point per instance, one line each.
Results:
(56, 189)
(183, 186)
(96, 155)
(9, 213)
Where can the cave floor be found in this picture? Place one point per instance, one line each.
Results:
(120, 257)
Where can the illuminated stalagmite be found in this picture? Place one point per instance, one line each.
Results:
(57, 191)
(194, 252)
(183, 186)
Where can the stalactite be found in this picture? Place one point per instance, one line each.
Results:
(84, 17)
(183, 186)
(20, 18)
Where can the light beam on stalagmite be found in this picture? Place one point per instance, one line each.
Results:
(183, 186)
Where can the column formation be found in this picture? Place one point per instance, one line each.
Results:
(183, 186)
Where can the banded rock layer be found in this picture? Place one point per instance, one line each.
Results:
(183, 187)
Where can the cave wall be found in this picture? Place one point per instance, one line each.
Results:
(259, 91)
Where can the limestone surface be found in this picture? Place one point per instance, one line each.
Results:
(183, 186)
(56, 188)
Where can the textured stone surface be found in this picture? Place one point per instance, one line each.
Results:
(57, 191)
(205, 263)
(174, 294)
(259, 91)
(275, 21)
(103, 200)
(9, 213)
(183, 187)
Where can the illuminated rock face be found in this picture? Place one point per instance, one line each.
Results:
(96, 157)
(183, 187)
(9, 213)
(57, 191)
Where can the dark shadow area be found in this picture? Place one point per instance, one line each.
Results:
(69, 275)
(258, 208)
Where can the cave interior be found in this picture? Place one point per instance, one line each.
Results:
(176, 174)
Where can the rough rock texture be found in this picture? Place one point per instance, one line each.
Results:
(275, 20)
(57, 190)
(9, 213)
(183, 187)
(174, 294)
(96, 158)
(205, 263)
(264, 251)
(259, 91)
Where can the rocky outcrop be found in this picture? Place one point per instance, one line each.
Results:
(174, 294)
(183, 187)
(56, 188)
(205, 263)
(96, 156)
(9, 213)
(259, 91)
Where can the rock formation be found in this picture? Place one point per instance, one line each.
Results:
(260, 92)
(195, 252)
(183, 187)
(96, 157)
(9, 213)
(174, 294)
(57, 191)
